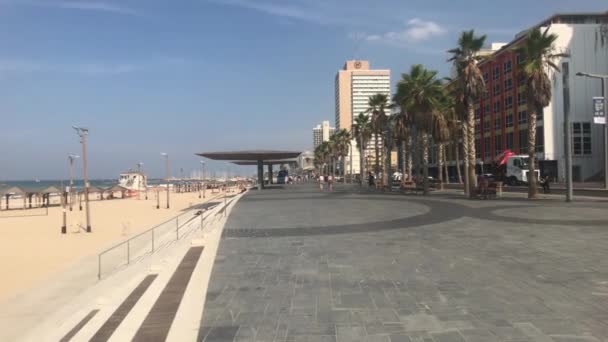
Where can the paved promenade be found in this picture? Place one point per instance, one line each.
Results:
(296, 264)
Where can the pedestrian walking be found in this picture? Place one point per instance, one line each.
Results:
(370, 179)
(321, 182)
(545, 183)
(330, 182)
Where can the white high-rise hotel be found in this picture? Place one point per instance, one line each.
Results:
(322, 133)
(355, 83)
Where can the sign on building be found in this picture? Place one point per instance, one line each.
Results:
(599, 112)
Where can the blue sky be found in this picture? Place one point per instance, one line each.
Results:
(201, 75)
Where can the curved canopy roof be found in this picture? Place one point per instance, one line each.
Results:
(250, 155)
(266, 162)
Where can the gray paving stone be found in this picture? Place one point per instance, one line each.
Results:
(373, 264)
(450, 336)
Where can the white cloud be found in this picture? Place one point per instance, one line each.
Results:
(81, 5)
(277, 9)
(96, 6)
(416, 30)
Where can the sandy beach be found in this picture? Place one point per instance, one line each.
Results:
(32, 248)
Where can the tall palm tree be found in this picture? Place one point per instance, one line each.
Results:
(322, 156)
(341, 140)
(419, 93)
(401, 125)
(538, 53)
(362, 132)
(377, 106)
(472, 85)
(441, 132)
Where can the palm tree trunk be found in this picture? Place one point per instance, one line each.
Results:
(362, 170)
(445, 165)
(387, 161)
(425, 163)
(377, 164)
(403, 161)
(409, 156)
(457, 155)
(532, 191)
(440, 165)
(465, 153)
(471, 155)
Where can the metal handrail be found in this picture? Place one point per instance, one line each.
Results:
(148, 231)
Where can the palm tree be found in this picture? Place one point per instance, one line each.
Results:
(419, 93)
(322, 155)
(401, 126)
(472, 86)
(538, 53)
(362, 132)
(377, 105)
(341, 140)
(441, 132)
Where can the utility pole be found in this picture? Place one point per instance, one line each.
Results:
(204, 185)
(82, 133)
(166, 155)
(567, 131)
(71, 158)
(604, 83)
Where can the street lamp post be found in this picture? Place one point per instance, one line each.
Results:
(604, 80)
(82, 133)
(71, 158)
(204, 186)
(166, 155)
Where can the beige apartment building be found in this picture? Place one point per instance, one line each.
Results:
(355, 83)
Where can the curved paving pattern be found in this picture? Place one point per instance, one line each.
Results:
(435, 212)
(444, 270)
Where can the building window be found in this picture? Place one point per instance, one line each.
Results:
(508, 84)
(539, 116)
(486, 109)
(508, 66)
(496, 73)
(509, 120)
(521, 99)
(477, 113)
(497, 107)
(486, 95)
(520, 58)
(581, 138)
(540, 140)
(522, 117)
(477, 148)
(497, 89)
(477, 127)
(509, 102)
(521, 79)
(509, 141)
(523, 141)
(497, 123)
(486, 126)
(497, 144)
(486, 77)
(488, 147)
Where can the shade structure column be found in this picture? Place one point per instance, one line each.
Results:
(269, 173)
(260, 175)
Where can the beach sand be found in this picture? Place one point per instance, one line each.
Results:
(32, 248)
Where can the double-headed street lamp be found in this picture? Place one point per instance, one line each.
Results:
(71, 158)
(82, 133)
(604, 80)
(204, 186)
(166, 155)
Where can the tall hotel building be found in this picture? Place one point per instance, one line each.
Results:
(501, 115)
(322, 133)
(355, 83)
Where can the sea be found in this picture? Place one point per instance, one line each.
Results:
(78, 183)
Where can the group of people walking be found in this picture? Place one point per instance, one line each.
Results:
(329, 179)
